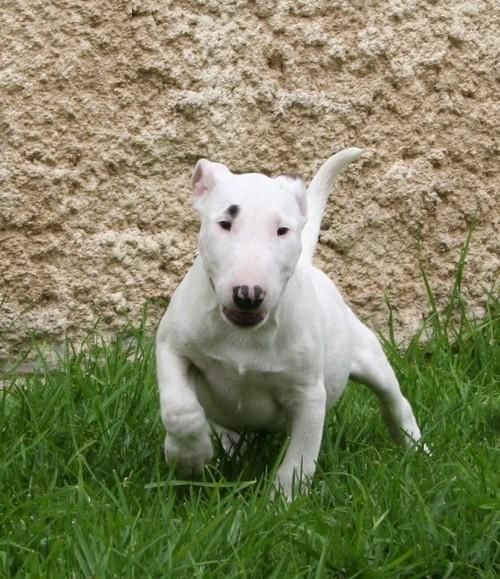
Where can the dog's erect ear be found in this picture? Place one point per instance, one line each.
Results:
(205, 176)
(297, 187)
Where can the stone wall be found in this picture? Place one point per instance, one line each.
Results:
(106, 105)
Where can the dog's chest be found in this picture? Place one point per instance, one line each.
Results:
(242, 392)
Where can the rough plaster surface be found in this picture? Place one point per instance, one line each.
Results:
(106, 105)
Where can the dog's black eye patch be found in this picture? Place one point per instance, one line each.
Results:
(226, 225)
(282, 231)
(233, 210)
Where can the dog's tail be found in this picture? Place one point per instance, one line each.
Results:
(317, 196)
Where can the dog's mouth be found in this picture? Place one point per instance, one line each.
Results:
(244, 319)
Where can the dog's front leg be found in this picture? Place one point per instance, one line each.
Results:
(305, 418)
(187, 444)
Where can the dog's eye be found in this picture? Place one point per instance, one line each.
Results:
(282, 231)
(226, 225)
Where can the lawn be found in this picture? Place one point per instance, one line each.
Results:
(84, 491)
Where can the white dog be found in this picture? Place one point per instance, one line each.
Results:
(257, 338)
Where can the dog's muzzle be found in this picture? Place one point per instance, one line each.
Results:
(245, 319)
(247, 300)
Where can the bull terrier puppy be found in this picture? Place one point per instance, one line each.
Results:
(257, 338)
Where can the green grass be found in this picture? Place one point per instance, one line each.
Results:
(84, 491)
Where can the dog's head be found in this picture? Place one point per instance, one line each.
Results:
(250, 237)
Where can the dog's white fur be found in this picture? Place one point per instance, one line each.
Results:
(286, 369)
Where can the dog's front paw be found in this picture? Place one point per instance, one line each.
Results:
(283, 487)
(189, 455)
(289, 484)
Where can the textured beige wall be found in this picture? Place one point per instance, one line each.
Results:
(106, 105)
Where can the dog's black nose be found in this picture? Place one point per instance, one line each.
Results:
(246, 298)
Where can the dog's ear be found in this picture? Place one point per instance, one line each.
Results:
(205, 175)
(297, 187)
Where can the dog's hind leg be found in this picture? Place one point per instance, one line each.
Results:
(371, 367)
(231, 441)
